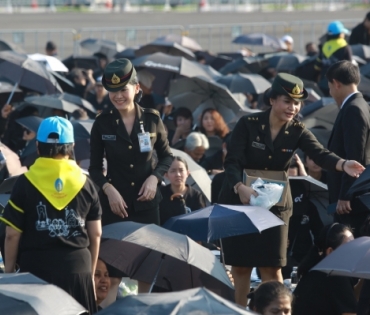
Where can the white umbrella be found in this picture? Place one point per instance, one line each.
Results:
(51, 63)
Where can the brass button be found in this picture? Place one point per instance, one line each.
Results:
(270, 157)
(132, 184)
(130, 147)
(110, 179)
(266, 168)
(131, 166)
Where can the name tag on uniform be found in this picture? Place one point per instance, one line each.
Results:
(109, 137)
(144, 142)
(258, 145)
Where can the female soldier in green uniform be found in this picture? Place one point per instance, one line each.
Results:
(267, 141)
(126, 136)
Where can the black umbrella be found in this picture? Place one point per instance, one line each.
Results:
(34, 297)
(66, 102)
(245, 65)
(364, 86)
(30, 122)
(10, 46)
(169, 48)
(82, 129)
(361, 185)
(287, 62)
(128, 53)
(245, 83)
(365, 70)
(306, 69)
(260, 39)
(322, 135)
(362, 51)
(104, 46)
(6, 89)
(172, 261)
(27, 73)
(67, 85)
(216, 62)
(83, 62)
(184, 41)
(323, 116)
(193, 301)
(166, 68)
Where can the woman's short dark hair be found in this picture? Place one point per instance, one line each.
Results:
(50, 150)
(344, 72)
(270, 93)
(182, 112)
(331, 235)
(266, 293)
(180, 159)
(134, 81)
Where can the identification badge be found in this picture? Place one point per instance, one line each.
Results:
(258, 145)
(144, 140)
(109, 137)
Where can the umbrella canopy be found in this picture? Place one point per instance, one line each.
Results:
(10, 46)
(66, 102)
(361, 185)
(216, 62)
(364, 86)
(128, 53)
(220, 221)
(82, 129)
(286, 61)
(322, 135)
(30, 122)
(198, 178)
(169, 48)
(184, 41)
(199, 93)
(166, 68)
(245, 65)
(362, 51)
(193, 301)
(103, 46)
(36, 299)
(306, 69)
(260, 39)
(6, 89)
(83, 62)
(144, 251)
(323, 117)
(245, 83)
(30, 74)
(66, 84)
(349, 260)
(51, 63)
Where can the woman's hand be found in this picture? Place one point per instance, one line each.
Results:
(245, 194)
(149, 189)
(116, 202)
(301, 169)
(353, 168)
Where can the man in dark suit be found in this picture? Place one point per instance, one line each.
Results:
(361, 33)
(349, 139)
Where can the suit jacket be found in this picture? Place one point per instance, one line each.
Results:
(251, 147)
(128, 168)
(350, 140)
(359, 35)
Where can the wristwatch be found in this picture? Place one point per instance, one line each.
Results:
(237, 186)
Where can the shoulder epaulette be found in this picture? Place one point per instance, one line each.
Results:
(152, 111)
(299, 124)
(104, 112)
(253, 117)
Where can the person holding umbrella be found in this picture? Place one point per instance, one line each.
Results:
(128, 135)
(267, 141)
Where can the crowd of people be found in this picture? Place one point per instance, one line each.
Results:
(55, 213)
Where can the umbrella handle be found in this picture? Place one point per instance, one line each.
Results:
(12, 93)
(156, 274)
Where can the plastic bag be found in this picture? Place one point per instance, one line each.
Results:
(269, 194)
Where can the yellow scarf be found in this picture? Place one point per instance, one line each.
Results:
(331, 46)
(59, 181)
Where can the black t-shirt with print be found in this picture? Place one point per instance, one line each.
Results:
(45, 227)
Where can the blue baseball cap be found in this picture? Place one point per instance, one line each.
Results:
(336, 28)
(61, 126)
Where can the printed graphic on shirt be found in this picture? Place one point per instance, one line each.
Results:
(69, 227)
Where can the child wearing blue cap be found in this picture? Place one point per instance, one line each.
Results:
(53, 217)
